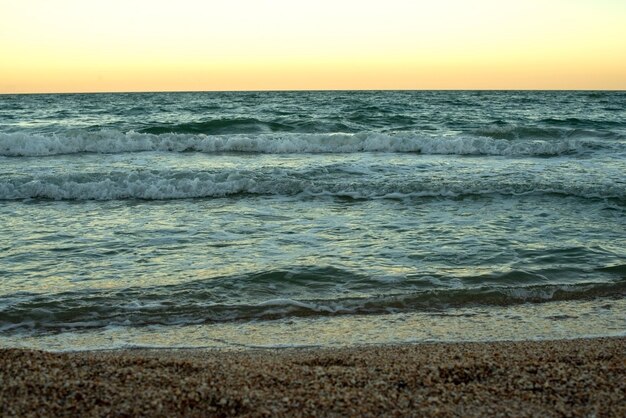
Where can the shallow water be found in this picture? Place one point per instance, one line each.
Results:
(288, 216)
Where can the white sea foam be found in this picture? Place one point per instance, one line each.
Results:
(149, 187)
(111, 142)
(197, 184)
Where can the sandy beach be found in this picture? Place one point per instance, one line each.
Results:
(549, 378)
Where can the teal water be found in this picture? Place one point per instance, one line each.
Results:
(310, 218)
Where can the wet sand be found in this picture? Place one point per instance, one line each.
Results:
(549, 378)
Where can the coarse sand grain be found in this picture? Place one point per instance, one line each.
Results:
(585, 377)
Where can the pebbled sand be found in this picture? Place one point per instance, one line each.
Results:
(550, 378)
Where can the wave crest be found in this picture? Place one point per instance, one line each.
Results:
(194, 303)
(114, 142)
(164, 185)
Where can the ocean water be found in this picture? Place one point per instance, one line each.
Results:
(277, 219)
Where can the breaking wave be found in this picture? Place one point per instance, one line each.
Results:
(165, 185)
(197, 302)
(114, 142)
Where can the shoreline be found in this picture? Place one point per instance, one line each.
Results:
(579, 377)
(554, 320)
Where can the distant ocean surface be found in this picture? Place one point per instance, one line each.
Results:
(280, 219)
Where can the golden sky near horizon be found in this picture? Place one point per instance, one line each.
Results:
(157, 45)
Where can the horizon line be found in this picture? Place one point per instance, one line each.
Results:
(310, 90)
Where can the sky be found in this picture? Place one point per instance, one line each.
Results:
(199, 45)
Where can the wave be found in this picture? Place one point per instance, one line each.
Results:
(538, 133)
(180, 184)
(200, 302)
(233, 126)
(218, 126)
(114, 142)
(582, 123)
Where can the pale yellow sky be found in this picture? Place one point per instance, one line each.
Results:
(155, 45)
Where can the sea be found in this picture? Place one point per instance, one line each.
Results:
(250, 220)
